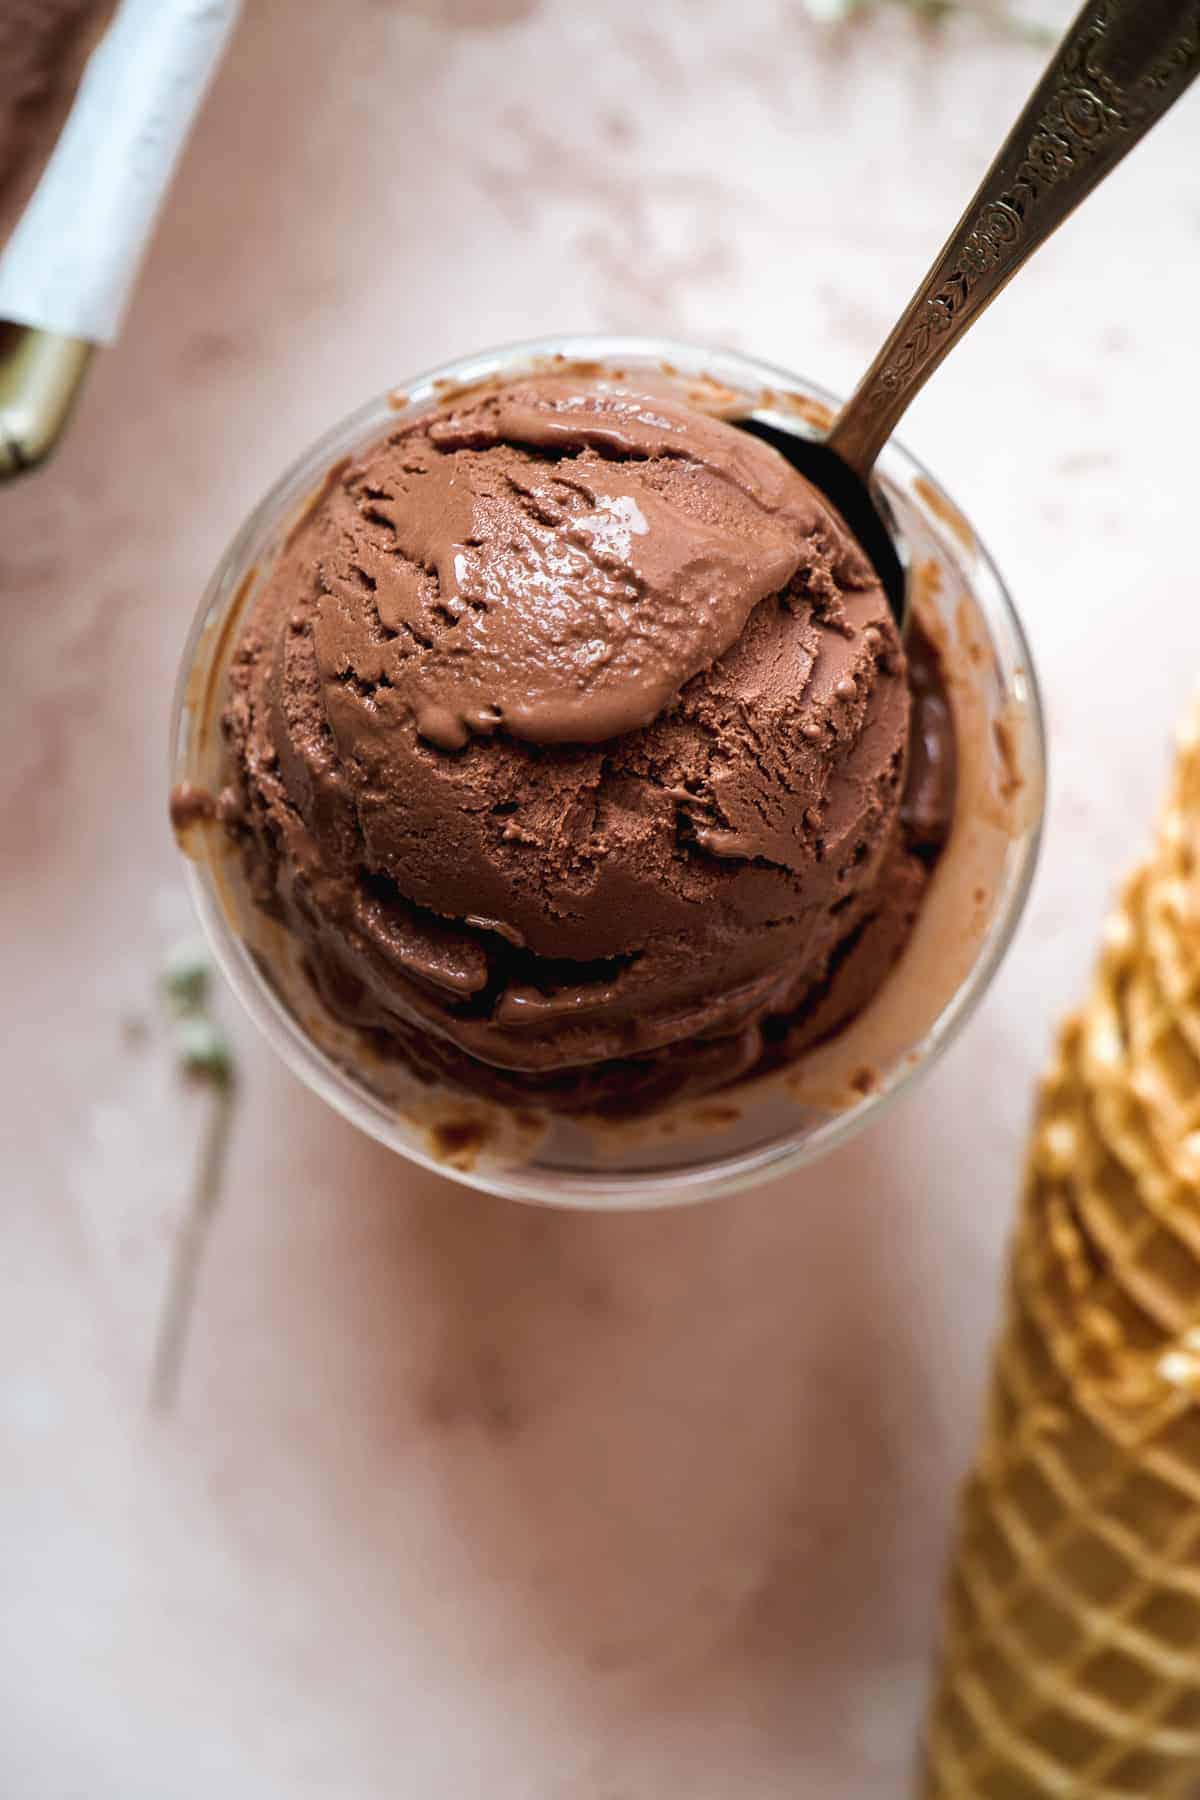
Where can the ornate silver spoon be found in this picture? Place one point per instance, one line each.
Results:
(1120, 66)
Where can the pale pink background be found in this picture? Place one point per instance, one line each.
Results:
(459, 1498)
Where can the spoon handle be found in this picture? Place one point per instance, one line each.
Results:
(1120, 66)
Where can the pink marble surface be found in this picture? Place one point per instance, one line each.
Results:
(458, 1498)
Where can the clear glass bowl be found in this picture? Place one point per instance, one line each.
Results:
(761, 1128)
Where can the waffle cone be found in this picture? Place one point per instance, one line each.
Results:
(1070, 1663)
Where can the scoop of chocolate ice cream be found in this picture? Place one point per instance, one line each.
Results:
(569, 736)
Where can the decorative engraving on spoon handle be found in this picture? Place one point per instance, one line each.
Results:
(1119, 68)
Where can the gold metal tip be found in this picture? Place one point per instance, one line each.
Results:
(40, 375)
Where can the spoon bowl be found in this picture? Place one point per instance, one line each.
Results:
(863, 505)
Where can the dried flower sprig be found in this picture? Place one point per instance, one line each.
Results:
(1030, 31)
(204, 1054)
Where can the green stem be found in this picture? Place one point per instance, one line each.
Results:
(1042, 37)
(179, 1300)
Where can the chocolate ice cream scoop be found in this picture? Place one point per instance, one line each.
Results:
(568, 735)
(556, 562)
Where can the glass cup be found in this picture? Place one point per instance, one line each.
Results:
(764, 1126)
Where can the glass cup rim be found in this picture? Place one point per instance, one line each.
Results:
(608, 1189)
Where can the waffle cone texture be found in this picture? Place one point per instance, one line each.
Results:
(1070, 1663)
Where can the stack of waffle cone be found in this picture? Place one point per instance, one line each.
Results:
(1071, 1657)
